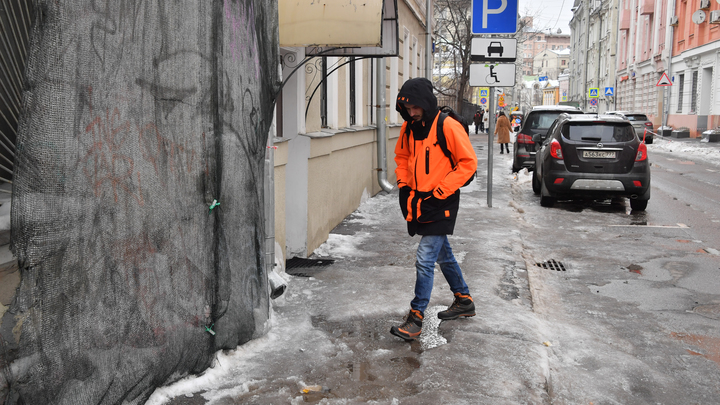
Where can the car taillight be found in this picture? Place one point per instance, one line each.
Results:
(648, 124)
(641, 153)
(555, 149)
(522, 138)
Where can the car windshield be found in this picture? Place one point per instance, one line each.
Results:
(598, 132)
(541, 120)
(636, 117)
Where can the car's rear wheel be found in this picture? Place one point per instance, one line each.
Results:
(535, 183)
(546, 200)
(640, 203)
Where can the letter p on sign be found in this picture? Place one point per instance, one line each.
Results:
(494, 16)
(487, 10)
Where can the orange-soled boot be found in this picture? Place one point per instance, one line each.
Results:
(411, 328)
(463, 306)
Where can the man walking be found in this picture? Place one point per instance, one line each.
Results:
(429, 184)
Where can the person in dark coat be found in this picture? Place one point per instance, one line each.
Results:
(430, 198)
(478, 120)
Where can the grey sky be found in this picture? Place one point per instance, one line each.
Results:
(551, 14)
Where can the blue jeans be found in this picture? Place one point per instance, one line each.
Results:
(435, 248)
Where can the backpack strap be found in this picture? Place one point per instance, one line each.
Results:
(441, 141)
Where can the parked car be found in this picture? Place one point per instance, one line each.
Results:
(639, 121)
(537, 121)
(591, 156)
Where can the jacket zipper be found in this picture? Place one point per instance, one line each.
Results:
(427, 160)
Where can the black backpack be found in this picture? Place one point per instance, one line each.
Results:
(442, 143)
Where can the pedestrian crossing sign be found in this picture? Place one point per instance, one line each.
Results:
(594, 93)
(609, 91)
(483, 93)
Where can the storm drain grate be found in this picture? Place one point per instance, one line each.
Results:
(552, 264)
(299, 262)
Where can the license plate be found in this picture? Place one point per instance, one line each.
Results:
(596, 154)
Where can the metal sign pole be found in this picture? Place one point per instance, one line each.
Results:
(491, 131)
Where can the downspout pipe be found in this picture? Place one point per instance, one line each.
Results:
(381, 128)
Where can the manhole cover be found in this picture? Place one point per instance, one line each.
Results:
(552, 264)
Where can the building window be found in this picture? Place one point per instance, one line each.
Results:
(353, 107)
(693, 92)
(681, 89)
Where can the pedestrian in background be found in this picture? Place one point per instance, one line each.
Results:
(478, 119)
(430, 198)
(485, 121)
(502, 130)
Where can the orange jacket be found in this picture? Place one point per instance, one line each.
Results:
(431, 204)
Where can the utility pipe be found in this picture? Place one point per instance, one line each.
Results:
(428, 40)
(381, 132)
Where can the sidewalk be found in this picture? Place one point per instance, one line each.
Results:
(330, 332)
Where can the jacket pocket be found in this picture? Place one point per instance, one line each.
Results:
(431, 209)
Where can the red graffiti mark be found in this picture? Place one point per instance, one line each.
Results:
(104, 164)
(154, 146)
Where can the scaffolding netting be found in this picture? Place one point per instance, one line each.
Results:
(137, 216)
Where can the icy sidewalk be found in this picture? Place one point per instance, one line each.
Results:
(329, 337)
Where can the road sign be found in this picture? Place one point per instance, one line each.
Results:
(492, 74)
(483, 101)
(609, 91)
(494, 16)
(493, 49)
(664, 80)
(593, 102)
(594, 93)
(483, 93)
(542, 78)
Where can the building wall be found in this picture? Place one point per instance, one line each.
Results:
(696, 103)
(329, 170)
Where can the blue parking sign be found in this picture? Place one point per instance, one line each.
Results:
(494, 16)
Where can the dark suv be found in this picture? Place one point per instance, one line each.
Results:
(536, 122)
(592, 156)
(639, 121)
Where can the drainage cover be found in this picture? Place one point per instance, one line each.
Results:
(298, 266)
(552, 264)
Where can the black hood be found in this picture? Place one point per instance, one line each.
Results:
(419, 92)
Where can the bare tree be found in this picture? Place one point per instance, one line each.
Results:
(453, 38)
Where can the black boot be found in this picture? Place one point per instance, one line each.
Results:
(462, 306)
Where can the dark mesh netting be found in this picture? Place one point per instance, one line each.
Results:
(136, 117)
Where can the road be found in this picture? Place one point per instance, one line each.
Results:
(635, 314)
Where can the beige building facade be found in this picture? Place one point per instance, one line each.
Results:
(325, 151)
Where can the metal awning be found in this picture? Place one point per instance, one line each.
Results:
(332, 28)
